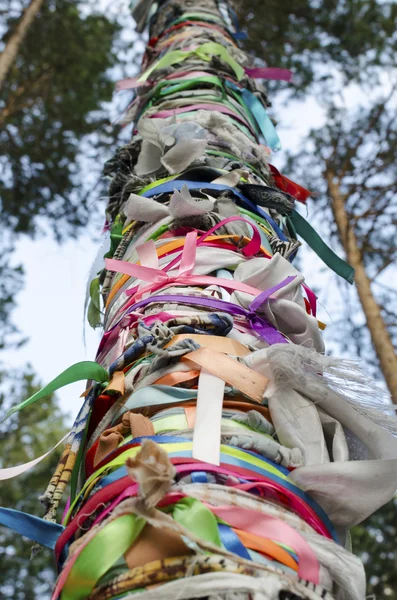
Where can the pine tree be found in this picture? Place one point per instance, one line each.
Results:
(375, 542)
(9, 53)
(51, 108)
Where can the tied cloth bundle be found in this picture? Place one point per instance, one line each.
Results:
(218, 452)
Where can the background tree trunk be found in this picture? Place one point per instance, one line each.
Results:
(379, 334)
(8, 56)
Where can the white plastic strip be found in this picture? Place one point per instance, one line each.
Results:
(11, 472)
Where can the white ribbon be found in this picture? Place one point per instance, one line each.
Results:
(11, 472)
(207, 428)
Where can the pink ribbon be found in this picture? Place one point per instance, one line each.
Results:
(296, 503)
(274, 529)
(253, 246)
(264, 485)
(149, 270)
(158, 278)
(274, 73)
(251, 521)
(312, 298)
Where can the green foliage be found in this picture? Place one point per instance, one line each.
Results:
(54, 129)
(375, 542)
(10, 283)
(25, 436)
(312, 37)
(52, 104)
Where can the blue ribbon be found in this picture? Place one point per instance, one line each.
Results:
(199, 477)
(177, 184)
(34, 528)
(232, 542)
(239, 35)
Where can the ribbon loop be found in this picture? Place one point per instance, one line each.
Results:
(188, 257)
(157, 277)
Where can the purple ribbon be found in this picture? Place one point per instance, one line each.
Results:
(258, 323)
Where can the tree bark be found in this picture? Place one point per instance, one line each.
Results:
(8, 56)
(379, 333)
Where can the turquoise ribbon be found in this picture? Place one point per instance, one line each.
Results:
(263, 120)
(156, 395)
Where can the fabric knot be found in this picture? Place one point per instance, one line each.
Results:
(153, 471)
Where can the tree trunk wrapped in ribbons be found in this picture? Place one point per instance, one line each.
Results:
(218, 452)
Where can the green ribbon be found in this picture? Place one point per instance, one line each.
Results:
(197, 518)
(113, 540)
(209, 49)
(205, 52)
(78, 372)
(109, 544)
(173, 88)
(328, 256)
(198, 17)
(156, 183)
(116, 235)
(94, 307)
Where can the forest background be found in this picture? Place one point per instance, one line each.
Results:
(58, 126)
